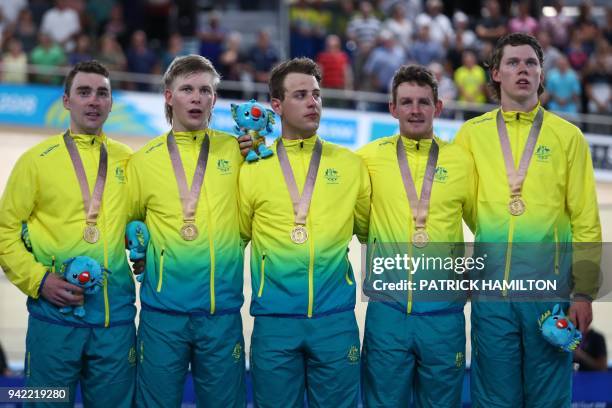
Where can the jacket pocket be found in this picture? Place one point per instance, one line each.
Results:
(263, 275)
(160, 279)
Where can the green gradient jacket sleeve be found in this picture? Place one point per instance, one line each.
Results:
(362, 207)
(16, 205)
(581, 204)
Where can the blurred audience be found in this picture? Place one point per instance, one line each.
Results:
(15, 63)
(562, 87)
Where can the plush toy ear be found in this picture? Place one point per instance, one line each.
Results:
(271, 119)
(557, 310)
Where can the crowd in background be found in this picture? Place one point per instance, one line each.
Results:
(358, 44)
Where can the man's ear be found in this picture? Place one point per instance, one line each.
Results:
(393, 110)
(66, 101)
(168, 96)
(439, 106)
(276, 106)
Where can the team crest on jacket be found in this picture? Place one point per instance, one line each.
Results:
(332, 176)
(224, 166)
(120, 175)
(237, 352)
(459, 358)
(441, 174)
(353, 355)
(543, 153)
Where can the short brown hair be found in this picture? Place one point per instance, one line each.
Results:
(89, 67)
(514, 39)
(186, 65)
(416, 74)
(296, 65)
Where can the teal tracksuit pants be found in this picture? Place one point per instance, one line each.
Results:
(419, 358)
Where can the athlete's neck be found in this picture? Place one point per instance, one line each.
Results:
(511, 105)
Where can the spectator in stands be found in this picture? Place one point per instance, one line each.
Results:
(212, 36)
(232, 63)
(464, 39)
(523, 22)
(10, 9)
(471, 79)
(175, 49)
(335, 65)
(117, 27)
(62, 24)
(309, 23)
(440, 27)
(262, 56)
(447, 91)
(412, 8)
(586, 26)
(111, 55)
(82, 52)
(558, 26)
(361, 33)
(382, 63)
(15, 63)
(4, 28)
(425, 50)
(563, 87)
(592, 354)
(141, 59)
(47, 55)
(99, 12)
(400, 26)
(607, 30)
(576, 52)
(492, 25)
(26, 31)
(598, 80)
(551, 53)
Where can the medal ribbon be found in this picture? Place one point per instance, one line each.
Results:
(419, 206)
(91, 203)
(301, 204)
(517, 178)
(189, 198)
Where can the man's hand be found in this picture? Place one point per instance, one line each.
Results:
(246, 143)
(61, 293)
(138, 266)
(581, 314)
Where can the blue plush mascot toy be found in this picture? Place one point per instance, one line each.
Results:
(558, 330)
(85, 272)
(136, 240)
(257, 121)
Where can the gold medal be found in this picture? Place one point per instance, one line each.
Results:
(189, 231)
(91, 234)
(420, 238)
(516, 206)
(299, 234)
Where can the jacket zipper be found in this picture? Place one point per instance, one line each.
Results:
(161, 270)
(263, 275)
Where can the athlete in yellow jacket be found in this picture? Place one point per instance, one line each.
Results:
(537, 227)
(414, 344)
(305, 334)
(43, 192)
(184, 185)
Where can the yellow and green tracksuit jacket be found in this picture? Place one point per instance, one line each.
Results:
(559, 194)
(203, 276)
(391, 221)
(44, 192)
(314, 278)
